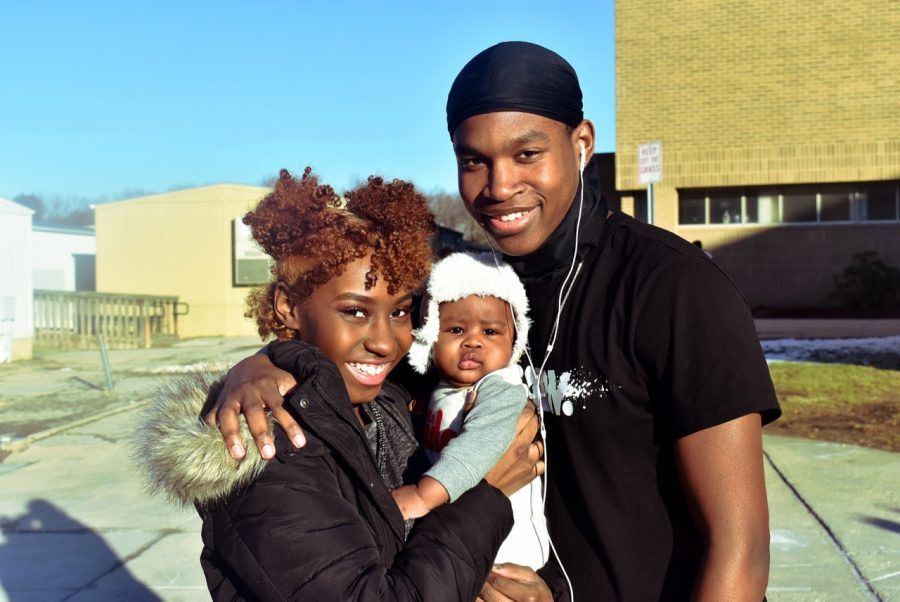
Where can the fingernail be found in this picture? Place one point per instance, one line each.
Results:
(237, 452)
(267, 451)
(299, 441)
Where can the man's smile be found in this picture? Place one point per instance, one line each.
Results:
(509, 222)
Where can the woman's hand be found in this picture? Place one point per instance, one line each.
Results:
(522, 461)
(514, 582)
(253, 385)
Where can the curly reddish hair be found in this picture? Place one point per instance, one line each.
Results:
(312, 234)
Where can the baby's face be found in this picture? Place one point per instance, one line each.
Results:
(476, 338)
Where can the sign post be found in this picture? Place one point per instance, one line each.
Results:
(650, 171)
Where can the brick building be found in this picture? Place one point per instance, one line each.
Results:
(780, 131)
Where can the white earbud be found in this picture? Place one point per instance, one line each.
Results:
(583, 161)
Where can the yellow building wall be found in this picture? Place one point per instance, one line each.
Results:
(179, 243)
(762, 91)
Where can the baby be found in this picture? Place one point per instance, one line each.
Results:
(474, 330)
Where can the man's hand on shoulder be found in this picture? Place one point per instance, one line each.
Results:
(251, 387)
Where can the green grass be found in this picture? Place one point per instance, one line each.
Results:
(833, 402)
(833, 385)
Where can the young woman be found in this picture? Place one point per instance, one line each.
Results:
(319, 522)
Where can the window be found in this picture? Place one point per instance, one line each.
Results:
(250, 265)
(877, 202)
(835, 206)
(762, 208)
(692, 210)
(806, 204)
(799, 206)
(725, 210)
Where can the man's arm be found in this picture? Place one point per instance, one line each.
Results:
(721, 471)
(251, 387)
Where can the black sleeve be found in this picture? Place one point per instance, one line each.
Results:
(698, 346)
(297, 357)
(555, 580)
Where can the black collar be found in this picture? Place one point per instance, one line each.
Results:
(555, 255)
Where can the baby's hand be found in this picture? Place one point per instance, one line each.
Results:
(415, 501)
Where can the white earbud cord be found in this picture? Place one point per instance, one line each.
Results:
(565, 289)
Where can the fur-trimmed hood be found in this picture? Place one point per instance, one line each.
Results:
(181, 457)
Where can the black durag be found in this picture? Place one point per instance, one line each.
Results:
(515, 76)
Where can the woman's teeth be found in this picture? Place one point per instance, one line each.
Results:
(370, 369)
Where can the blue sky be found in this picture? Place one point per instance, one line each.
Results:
(102, 97)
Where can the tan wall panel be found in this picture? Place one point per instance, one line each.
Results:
(178, 244)
(755, 92)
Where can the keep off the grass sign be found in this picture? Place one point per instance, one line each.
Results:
(650, 162)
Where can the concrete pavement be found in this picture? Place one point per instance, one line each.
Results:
(76, 526)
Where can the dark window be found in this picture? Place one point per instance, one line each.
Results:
(798, 207)
(725, 210)
(692, 209)
(640, 206)
(85, 272)
(878, 202)
(835, 206)
(803, 204)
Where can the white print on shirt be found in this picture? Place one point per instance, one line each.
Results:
(571, 390)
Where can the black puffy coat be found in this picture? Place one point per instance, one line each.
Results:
(319, 524)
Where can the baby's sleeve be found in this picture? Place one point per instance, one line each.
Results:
(487, 431)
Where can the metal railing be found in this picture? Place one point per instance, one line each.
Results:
(73, 320)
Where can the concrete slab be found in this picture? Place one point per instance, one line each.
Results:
(805, 565)
(55, 565)
(855, 492)
(170, 568)
(76, 524)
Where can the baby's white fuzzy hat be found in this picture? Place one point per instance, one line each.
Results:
(461, 275)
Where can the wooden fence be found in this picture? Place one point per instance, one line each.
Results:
(72, 320)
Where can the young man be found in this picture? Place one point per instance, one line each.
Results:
(653, 409)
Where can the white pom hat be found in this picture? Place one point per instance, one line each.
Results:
(461, 275)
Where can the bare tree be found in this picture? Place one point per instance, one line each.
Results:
(35, 203)
(449, 212)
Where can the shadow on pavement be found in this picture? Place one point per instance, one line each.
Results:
(46, 553)
(883, 523)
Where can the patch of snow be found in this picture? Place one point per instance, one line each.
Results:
(878, 352)
(786, 539)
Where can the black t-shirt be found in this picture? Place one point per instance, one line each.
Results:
(654, 343)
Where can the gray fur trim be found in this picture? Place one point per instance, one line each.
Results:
(181, 457)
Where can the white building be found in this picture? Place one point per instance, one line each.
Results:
(63, 259)
(16, 314)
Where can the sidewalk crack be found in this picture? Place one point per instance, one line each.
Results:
(832, 537)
